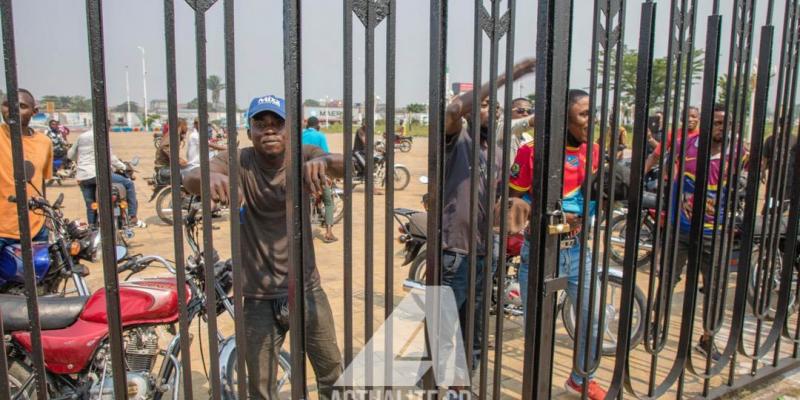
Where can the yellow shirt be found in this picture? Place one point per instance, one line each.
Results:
(37, 149)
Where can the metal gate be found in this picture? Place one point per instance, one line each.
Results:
(746, 302)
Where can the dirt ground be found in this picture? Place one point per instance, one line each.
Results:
(157, 239)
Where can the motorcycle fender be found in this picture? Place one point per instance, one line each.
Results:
(411, 251)
(156, 191)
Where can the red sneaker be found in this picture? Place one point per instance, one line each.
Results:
(593, 390)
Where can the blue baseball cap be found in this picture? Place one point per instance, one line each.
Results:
(269, 103)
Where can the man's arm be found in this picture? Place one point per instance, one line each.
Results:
(218, 168)
(72, 153)
(462, 105)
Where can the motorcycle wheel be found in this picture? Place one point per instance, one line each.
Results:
(405, 146)
(338, 205)
(613, 309)
(417, 272)
(18, 374)
(618, 231)
(401, 177)
(164, 205)
(230, 385)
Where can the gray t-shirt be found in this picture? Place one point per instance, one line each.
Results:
(265, 243)
(457, 171)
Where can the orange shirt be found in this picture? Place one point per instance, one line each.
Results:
(37, 149)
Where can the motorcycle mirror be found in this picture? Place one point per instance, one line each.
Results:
(423, 180)
(30, 170)
(135, 161)
(59, 200)
(121, 252)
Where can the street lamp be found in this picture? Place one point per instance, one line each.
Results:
(128, 97)
(144, 82)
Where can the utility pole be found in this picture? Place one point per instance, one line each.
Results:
(144, 83)
(128, 97)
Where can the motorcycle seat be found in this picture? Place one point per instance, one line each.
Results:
(54, 312)
(649, 201)
(120, 190)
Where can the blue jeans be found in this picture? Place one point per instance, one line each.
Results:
(455, 273)
(39, 237)
(89, 191)
(569, 266)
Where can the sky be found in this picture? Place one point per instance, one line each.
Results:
(53, 59)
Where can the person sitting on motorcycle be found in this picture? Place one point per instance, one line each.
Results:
(162, 153)
(265, 242)
(37, 150)
(521, 185)
(83, 154)
(693, 123)
(313, 136)
(57, 129)
(360, 151)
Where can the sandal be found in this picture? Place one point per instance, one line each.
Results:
(329, 239)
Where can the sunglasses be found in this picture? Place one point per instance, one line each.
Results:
(521, 110)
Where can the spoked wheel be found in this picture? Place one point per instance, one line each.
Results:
(405, 146)
(401, 177)
(231, 375)
(613, 309)
(20, 381)
(164, 205)
(618, 231)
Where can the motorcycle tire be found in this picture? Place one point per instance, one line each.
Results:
(417, 272)
(230, 386)
(164, 205)
(404, 146)
(618, 230)
(401, 177)
(610, 332)
(18, 374)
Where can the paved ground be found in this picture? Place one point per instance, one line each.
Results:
(157, 239)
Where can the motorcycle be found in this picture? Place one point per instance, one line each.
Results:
(402, 176)
(318, 206)
(119, 204)
(402, 143)
(223, 284)
(414, 236)
(162, 194)
(63, 167)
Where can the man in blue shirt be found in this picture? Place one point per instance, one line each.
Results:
(313, 136)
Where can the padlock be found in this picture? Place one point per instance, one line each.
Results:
(557, 224)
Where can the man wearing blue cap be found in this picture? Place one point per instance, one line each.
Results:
(266, 245)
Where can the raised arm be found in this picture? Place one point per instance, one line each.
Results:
(462, 105)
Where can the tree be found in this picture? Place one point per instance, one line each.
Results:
(628, 75)
(124, 107)
(311, 103)
(79, 104)
(531, 97)
(192, 104)
(215, 85)
(416, 108)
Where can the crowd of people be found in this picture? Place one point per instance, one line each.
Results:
(263, 210)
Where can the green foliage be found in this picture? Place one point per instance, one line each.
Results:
(192, 104)
(311, 103)
(416, 108)
(124, 107)
(68, 103)
(216, 86)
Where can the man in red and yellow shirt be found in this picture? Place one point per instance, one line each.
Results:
(693, 129)
(569, 263)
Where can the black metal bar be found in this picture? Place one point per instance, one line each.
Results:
(644, 71)
(205, 185)
(369, 186)
(102, 155)
(436, 118)
(175, 187)
(296, 199)
(552, 78)
(20, 189)
(233, 170)
(504, 178)
(491, 189)
(347, 126)
(389, 210)
(4, 392)
(475, 119)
